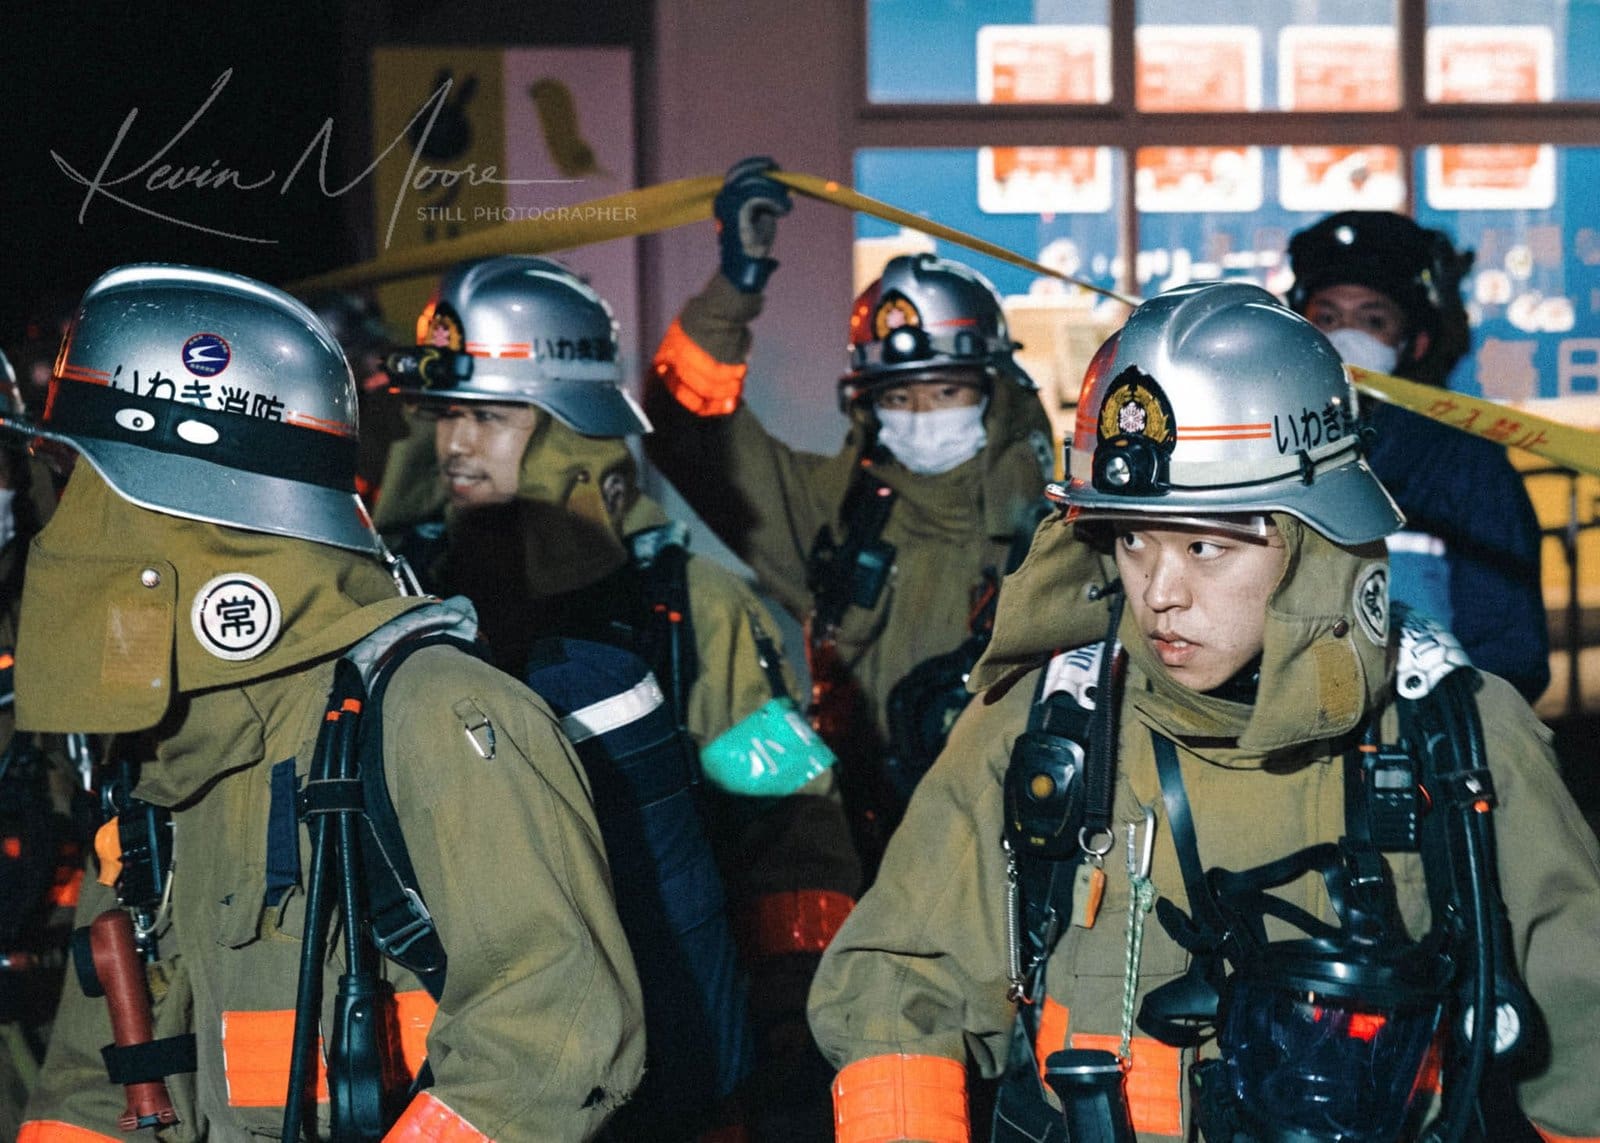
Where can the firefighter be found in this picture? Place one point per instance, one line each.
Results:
(210, 573)
(1246, 858)
(1387, 292)
(889, 551)
(546, 529)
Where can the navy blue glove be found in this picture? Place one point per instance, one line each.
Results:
(748, 208)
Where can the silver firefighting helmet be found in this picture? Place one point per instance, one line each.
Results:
(211, 396)
(1216, 400)
(926, 314)
(523, 330)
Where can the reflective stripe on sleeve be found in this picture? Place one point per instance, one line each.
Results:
(428, 1118)
(800, 921)
(697, 381)
(882, 1099)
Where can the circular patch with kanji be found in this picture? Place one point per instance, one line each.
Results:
(235, 616)
(1371, 604)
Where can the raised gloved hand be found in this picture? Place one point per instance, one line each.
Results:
(748, 208)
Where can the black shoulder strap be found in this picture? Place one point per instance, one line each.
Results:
(852, 572)
(668, 644)
(401, 926)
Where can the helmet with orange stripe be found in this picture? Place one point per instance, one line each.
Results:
(1216, 403)
(521, 330)
(211, 396)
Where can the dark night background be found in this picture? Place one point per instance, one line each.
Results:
(73, 71)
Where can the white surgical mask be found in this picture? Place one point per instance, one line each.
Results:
(1364, 350)
(933, 442)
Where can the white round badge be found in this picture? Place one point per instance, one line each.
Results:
(1371, 604)
(235, 616)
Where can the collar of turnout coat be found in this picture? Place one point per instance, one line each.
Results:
(110, 632)
(1324, 663)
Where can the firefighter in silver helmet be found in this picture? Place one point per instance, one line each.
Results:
(891, 550)
(546, 529)
(1196, 701)
(1387, 292)
(212, 577)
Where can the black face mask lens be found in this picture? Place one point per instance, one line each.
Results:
(1316, 1066)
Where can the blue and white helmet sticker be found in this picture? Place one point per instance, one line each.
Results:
(206, 355)
(1371, 604)
(235, 616)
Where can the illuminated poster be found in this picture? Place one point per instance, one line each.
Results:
(1194, 179)
(1035, 63)
(1326, 179)
(1197, 68)
(1044, 180)
(1324, 67)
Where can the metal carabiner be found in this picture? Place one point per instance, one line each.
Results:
(1139, 860)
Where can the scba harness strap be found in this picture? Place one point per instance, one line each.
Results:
(1439, 761)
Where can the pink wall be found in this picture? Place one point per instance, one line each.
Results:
(731, 79)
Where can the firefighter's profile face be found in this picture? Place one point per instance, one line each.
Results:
(479, 447)
(1200, 597)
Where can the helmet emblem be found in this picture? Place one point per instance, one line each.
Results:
(440, 328)
(1136, 407)
(206, 355)
(893, 313)
(235, 616)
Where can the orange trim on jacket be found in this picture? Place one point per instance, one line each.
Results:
(256, 1049)
(427, 1119)
(697, 381)
(885, 1098)
(798, 921)
(55, 1131)
(1154, 1076)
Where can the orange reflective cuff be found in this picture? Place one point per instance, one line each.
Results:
(108, 848)
(800, 921)
(256, 1049)
(885, 1098)
(426, 1118)
(54, 1131)
(1551, 1137)
(1154, 1082)
(697, 381)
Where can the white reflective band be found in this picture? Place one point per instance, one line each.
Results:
(1415, 544)
(609, 713)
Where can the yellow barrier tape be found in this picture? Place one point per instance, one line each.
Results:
(1573, 447)
(663, 206)
(830, 191)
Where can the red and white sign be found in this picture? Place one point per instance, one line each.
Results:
(1044, 180)
(1491, 176)
(1327, 67)
(1196, 179)
(1034, 63)
(1327, 179)
(1490, 64)
(1201, 67)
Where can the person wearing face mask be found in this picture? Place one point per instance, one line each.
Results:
(1226, 848)
(889, 551)
(1387, 293)
(544, 527)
